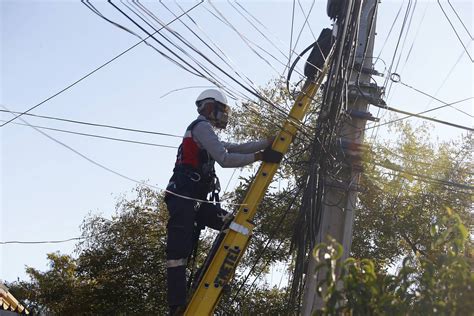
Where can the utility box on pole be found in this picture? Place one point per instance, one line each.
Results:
(339, 201)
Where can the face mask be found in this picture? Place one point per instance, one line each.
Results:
(222, 113)
(219, 116)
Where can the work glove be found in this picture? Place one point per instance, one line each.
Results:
(269, 155)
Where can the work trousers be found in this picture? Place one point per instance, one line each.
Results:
(183, 214)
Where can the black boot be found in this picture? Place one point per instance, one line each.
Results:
(176, 286)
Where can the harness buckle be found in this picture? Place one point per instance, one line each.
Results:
(194, 176)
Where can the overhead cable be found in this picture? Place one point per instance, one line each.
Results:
(217, 50)
(244, 38)
(282, 112)
(388, 83)
(416, 36)
(304, 24)
(143, 13)
(391, 28)
(460, 20)
(266, 100)
(258, 21)
(429, 95)
(307, 17)
(446, 79)
(396, 168)
(454, 29)
(253, 91)
(95, 124)
(217, 47)
(425, 117)
(93, 71)
(92, 161)
(291, 34)
(412, 160)
(30, 242)
(256, 28)
(94, 135)
(408, 116)
(405, 38)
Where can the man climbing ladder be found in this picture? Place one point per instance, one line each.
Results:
(194, 179)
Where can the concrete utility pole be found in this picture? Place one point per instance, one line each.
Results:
(337, 219)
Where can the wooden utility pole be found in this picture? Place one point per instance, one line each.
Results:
(338, 211)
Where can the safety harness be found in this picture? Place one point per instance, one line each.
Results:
(194, 174)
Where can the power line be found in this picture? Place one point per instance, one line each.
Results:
(9, 242)
(391, 29)
(460, 20)
(251, 90)
(291, 51)
(254, 91)
(96, 136)
(307, 17)
(454, 29)
(183, 63)
(185, 88)
(446, 79)
(402, 29)
(291, 34)
(95, 124)
(219, 53)
(408, 116)
(394, 167)
(304, 24)
(425, 117)
(194, 71)
(142, 8)
(411, 159)
(256, 28)
(416, 35)
(113, 171)
(96, 69)
(428, 95)
(220, 16)
(406, 36)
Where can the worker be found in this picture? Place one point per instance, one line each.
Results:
(194, 178)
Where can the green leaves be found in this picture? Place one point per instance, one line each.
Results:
(440, 282)
(401, 201)
(119, 269)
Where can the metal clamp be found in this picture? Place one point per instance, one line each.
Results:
(395, 77)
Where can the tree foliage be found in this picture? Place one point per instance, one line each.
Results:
(438, 281)
(53, 291)
(407, 184)
(120, 266)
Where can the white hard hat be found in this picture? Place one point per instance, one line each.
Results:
(212, 94)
